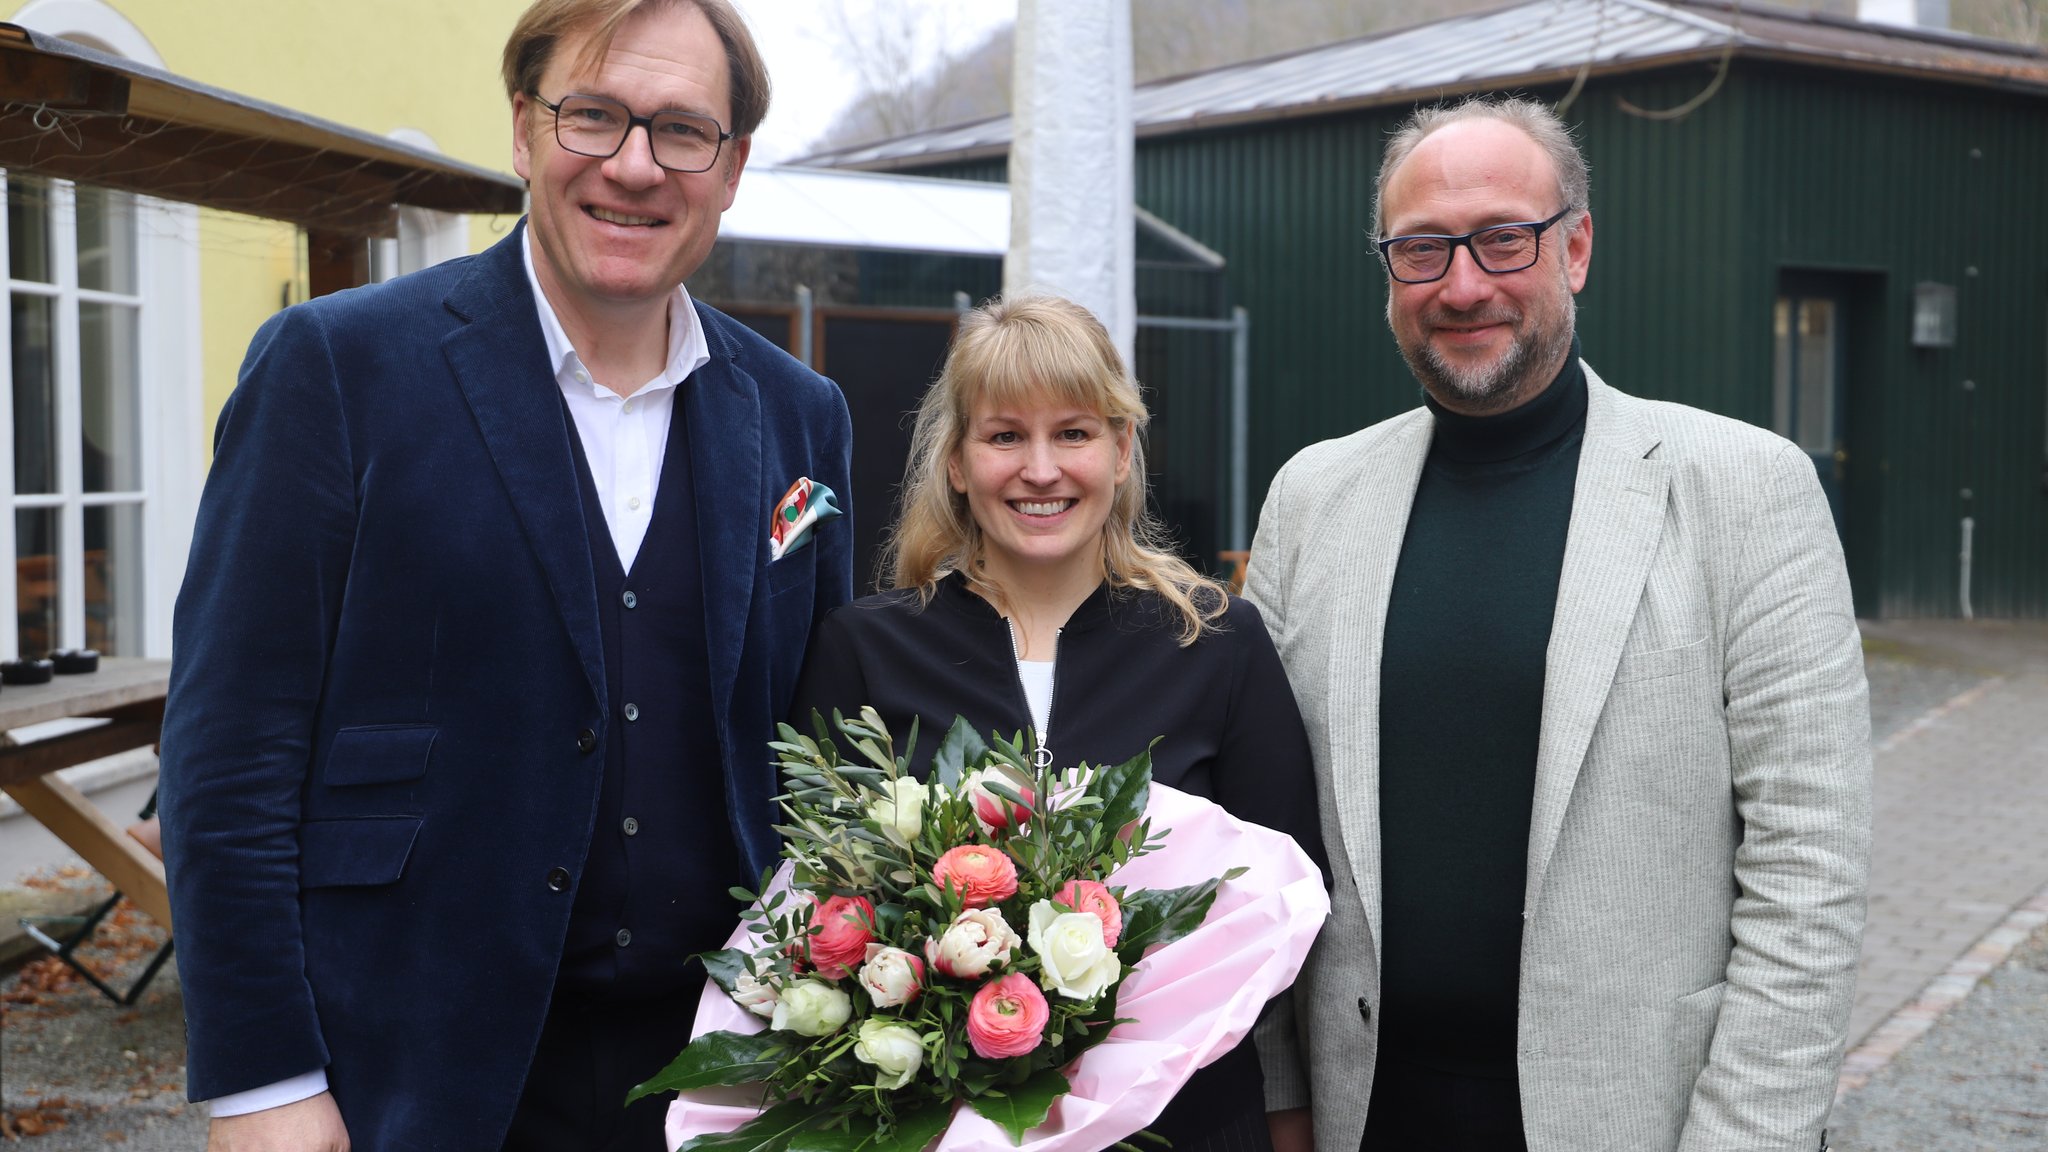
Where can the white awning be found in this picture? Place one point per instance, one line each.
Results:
(868, 210)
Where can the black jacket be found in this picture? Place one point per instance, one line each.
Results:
(1231, 730)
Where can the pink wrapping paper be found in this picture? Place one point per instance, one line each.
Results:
(1191, 1000)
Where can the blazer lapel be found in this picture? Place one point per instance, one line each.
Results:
(1618, 506)
(1366, 547)
(723, 406)
(500, 361)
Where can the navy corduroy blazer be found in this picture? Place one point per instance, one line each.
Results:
(386, 726)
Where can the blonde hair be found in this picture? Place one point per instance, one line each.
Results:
(1033, 350)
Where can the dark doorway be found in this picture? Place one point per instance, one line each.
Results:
(883, 360)
(1824, 398)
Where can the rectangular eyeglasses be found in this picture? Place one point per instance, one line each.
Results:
(1502, 248)
(598, 126)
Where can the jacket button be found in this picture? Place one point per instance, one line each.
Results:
(624, 937)
(632, 711)
(631, 826)
(558, 879)
(586, 740)
(630, 600)
(1364, 1010)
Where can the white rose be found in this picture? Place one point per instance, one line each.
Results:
(901, 806)
(811, 1008)
(1073, 960)
(891, 976)
(756, 996)
(977, 940)
(893, 1049)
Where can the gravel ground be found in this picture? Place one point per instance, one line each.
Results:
(1977, 1082)
(78, 1071)
(92, 1075)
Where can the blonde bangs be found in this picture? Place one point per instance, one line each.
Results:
(1024, 353)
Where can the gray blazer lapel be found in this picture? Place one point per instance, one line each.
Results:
(1365, 531)
(500, 361)
(1618, 507)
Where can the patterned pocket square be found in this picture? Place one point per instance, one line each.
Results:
(806, 505)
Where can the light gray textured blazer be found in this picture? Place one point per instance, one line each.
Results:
(1700, 835)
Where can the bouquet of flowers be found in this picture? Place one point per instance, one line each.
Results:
(931, 943)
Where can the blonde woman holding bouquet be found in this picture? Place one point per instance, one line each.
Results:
(1032, 593)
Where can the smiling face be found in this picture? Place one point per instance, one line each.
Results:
(613, 237)
(1479, 342)
(1039, 482)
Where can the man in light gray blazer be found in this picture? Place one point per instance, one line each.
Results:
(1586, 698)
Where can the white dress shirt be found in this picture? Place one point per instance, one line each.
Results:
(625, 439)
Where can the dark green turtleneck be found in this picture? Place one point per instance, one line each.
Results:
(1461, 703)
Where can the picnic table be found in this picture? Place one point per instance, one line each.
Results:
(128, 693)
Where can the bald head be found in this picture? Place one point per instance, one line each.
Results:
(1536, 122)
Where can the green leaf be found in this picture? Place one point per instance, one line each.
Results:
(1023, 1107)
(725, 966)
(768, 1132)
(715, 1058)
(1123, 789)
(913, 1130)
(961, 747)
(1163, 915)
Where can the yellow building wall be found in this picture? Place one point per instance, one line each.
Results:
(374, 65)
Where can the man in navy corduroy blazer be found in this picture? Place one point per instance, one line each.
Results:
(481, 638)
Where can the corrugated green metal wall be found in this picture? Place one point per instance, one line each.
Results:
(1695, 220)
(1917, 182)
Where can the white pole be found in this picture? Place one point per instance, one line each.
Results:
(1963, 578)
(1071, 228)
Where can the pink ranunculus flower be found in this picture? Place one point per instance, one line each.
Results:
(1007, 1018)
(1093, 897)
(982, 875)
(977, 940)
(997, 813)
(892, 976)
(839, 934)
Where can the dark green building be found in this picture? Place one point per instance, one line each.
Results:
(1832, 229)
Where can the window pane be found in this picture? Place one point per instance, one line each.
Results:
(108, 398)
(1781, 368)
(113, 579)
(106, 239)
(35, 579)
(35, 395)
(28, 230)
(1817, 376)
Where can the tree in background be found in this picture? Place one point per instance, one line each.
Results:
(1169, 38)
(1177, 37)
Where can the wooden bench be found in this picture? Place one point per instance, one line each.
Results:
(129, 695)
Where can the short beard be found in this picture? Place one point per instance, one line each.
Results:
(1504, 384)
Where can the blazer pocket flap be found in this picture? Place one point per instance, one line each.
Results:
(380, 754)
(1662, 662)
(362, 851)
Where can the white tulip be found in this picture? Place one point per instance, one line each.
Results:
(901, 806)
(1073, 960)
(893, 1049)
(811, 1008)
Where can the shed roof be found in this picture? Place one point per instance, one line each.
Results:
(1533, 43)
(888, 212)
(77, 113)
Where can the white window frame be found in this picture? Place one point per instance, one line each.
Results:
(171, 399)
(425, 237)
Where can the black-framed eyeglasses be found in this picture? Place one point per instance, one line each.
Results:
(598, 126)
(1503, 248)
